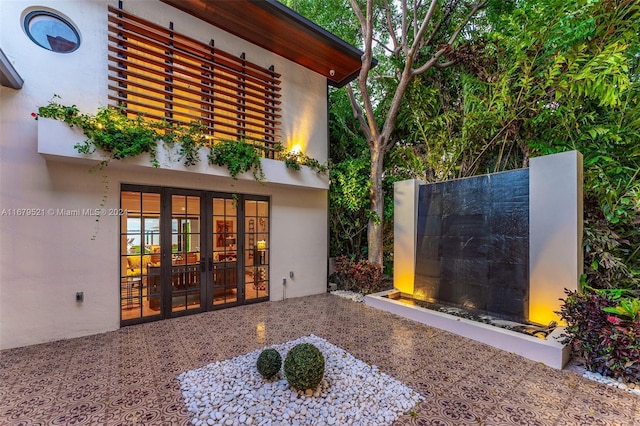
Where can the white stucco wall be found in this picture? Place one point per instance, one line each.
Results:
(405, 220)
(555, 232)
(45, 260)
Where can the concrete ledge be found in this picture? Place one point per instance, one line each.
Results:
(549, 352)
(56, 142)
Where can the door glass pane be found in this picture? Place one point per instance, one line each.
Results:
(225, 241)
(185, 252)
(140, 251)
(256, 254)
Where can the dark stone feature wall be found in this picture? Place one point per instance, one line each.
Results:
(473, 244)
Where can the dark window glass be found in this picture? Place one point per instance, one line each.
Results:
(51, 32)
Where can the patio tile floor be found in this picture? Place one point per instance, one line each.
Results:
(128, 377)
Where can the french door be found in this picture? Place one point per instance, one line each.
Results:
(187, 251)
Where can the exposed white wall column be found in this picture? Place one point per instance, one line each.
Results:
(555, 231)
(405, 219)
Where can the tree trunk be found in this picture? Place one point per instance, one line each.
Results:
(376, 194)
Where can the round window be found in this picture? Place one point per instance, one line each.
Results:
(51, 32)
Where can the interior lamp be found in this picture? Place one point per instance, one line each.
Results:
(262, 244)
(230, 242)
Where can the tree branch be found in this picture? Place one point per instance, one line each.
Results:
(415, 46)
(359, 15)
(414, 21)
(404, 26)
(380, 43)
(431, 62)
(357, 113)
(442, 65)
(480, 5)
(439, 25)
(366, 62)
(392, 31)
(434, 60)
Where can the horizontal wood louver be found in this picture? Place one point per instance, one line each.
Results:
(163, 75)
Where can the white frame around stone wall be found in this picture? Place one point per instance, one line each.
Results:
(405, 228)
(555, 232)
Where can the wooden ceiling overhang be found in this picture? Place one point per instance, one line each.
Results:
(274, 27)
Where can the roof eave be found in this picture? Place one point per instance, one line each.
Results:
(335, 59)
(9, 77)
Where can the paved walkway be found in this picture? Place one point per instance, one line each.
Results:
(128, 376)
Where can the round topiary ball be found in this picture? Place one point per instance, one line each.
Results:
(304, 366)
(269, 362)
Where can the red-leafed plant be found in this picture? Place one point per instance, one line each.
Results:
(362, 276)
(602, 332)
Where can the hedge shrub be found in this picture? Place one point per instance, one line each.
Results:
(608, 342)
(304, 366)
(269, 363)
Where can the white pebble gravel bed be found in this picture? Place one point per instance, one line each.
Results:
(629, 387)
(232, 392)
(351, 295)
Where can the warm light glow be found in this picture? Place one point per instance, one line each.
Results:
(543, 314)
(403, 284)
(296, 149)
(260, 335)
(262, 244)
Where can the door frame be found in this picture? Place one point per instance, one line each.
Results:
(166, 252)
(205, 274)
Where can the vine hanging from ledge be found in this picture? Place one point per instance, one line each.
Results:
(119, 136)
(111, 131)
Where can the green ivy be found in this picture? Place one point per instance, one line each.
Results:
(121, 137)
(238, 157)
(112, 132)
(295, 160)
(189, 138)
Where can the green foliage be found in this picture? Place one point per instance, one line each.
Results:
(575, 72)
(269, 363)
(189, 139)
(295, 161)
(348, 204)
(238, 157)
(112, 132)
(628, 309)
(546, 76)
(609, 344)
(349, 177)
(535, 77)
(362, 276)
(304, 366)
(121, 137)
(330, 14)
(604, 266)
(69, 114)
